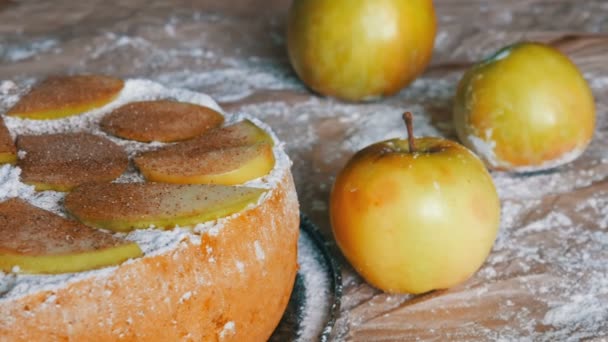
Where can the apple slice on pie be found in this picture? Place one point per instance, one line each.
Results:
(160, 120)
(62, 161)
(62, 96)
(33, 240)
(229, 155)
(128, 206)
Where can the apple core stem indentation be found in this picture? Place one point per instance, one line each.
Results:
(407, 117)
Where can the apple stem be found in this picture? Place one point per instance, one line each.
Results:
(407, 117)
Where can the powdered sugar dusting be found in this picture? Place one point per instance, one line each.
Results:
(317, 299)
(259, 252)
(228, 330)
(151, 241)
(134, 90)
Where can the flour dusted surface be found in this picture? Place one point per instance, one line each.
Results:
(547, 276)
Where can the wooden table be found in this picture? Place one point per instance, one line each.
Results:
(547, 277)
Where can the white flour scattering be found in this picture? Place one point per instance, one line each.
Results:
(12, 187)
(15, 52)
(228, 330)
(547, 272)
(316, 283)
(235, 80)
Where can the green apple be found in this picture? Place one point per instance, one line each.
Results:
(362, 49)
(526, 108)
(415, 215)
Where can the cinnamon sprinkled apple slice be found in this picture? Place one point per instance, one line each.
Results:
(61, 96)
(128, 206)
(228, 166)
(241, 133)
(160, 120)
(62, 161)
(229, 155)
(8, 152)
(34, 240)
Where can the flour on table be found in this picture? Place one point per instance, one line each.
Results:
(15, 52)
(541, 235)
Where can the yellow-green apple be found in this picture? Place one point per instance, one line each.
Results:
(61, 96)
(127, 206)
(34, 240)
(415, 215)
(526, 108)
(360, 50)
(229, 155)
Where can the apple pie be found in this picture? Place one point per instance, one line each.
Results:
(183, 231)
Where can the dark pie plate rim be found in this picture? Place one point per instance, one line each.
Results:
(325, 251)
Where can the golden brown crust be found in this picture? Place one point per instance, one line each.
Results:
(59, 96)
(160, 120)
(63, 161)
(191, 293)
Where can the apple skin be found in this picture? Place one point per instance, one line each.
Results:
(415, 222)
(527, 108)
(360, 50)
